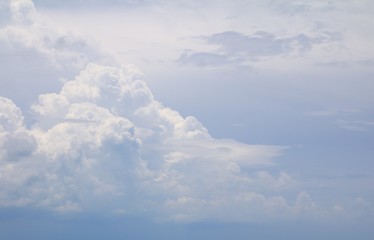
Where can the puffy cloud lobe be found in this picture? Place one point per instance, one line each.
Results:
(51, 169)
(15, 142)
(16, 147)
(23, 11)
(20, 11)
(11, 117)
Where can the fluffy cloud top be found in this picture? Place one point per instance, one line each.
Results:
(103, 138)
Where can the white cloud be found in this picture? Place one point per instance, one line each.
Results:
(114, 135)
(101, 142)
(92, 148)
(15, 142)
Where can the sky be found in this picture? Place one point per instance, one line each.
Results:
(128, 119)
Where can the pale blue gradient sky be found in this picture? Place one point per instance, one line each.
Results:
(297, 75)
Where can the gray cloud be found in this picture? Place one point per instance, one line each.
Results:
(257, 45)
(238, 48)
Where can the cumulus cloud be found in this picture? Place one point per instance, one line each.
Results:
(104, 138)
(102, 142)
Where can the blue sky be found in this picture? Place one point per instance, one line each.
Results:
(186, 119)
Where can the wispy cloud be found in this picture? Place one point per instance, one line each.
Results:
(346, 118)
(334, 112)
(356, 125)
(238, 48)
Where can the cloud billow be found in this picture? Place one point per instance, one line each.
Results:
(104, 135)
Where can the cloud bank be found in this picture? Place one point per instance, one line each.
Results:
(98, 141)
